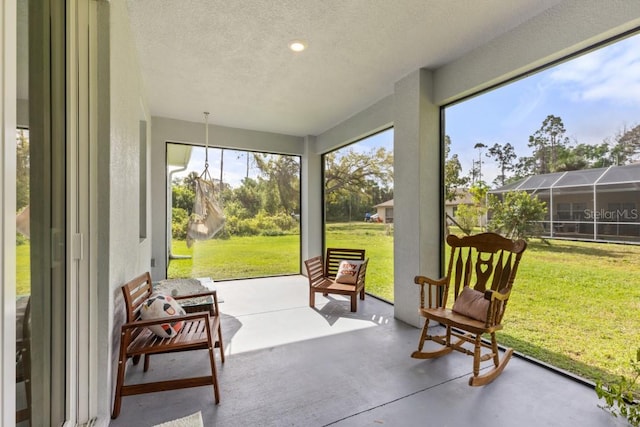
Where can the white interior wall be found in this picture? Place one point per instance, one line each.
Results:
(120, 251)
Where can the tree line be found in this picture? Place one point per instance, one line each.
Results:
(355, 182)
(552, 151)
(270, 203)
(265, 205)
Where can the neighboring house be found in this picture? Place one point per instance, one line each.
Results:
(463, 197)
(600, 204)
(385, 211)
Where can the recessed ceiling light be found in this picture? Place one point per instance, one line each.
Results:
(297, 45)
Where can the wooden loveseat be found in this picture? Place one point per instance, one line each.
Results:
(198, 332)
(322, 275)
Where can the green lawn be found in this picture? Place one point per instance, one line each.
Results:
(575, 305)
(241, 257)
(237, 257)
(23, 270)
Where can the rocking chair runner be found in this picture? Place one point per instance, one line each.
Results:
(479, 276)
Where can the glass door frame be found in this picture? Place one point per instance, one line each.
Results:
(8, 65)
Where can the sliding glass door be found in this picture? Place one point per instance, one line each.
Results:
(40, 214)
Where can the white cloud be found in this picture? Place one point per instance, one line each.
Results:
(529, 100)
(611, 74)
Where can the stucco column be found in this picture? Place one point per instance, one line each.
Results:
(417, 190)
(311, 201)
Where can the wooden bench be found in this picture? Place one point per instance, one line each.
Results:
(136, 340)
(322, 275)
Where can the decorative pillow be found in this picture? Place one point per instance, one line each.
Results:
(159, 306)
(471, 303)
(348, 272)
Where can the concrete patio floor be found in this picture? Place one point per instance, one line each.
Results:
(290, 365)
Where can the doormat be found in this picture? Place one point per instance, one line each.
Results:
(194, 420)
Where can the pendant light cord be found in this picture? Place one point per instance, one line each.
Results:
(206, 140)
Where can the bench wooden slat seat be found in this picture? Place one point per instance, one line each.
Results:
(193, 335)
(322, 275)
(137, 340)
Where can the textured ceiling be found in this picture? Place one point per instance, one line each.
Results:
(231, 57)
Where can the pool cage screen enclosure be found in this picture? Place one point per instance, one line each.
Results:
(592, 204)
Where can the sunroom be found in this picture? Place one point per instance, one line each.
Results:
(103, 86)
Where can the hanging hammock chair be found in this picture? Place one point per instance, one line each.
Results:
(207, 217)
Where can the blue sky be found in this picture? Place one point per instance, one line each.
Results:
(596, 95)
(235, 164)
(380, 139)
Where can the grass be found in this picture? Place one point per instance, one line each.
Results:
(23, 269)
(241, 257)
(237, 257)
(575, 305)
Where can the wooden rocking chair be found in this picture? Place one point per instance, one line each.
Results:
(479, 276)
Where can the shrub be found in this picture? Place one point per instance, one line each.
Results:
(272, 232)
(261, 224)
(21, 239)
(234, 208)
(621, 397)
(179, 222)
(284, 222)
(467, 217)
(517, 216)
